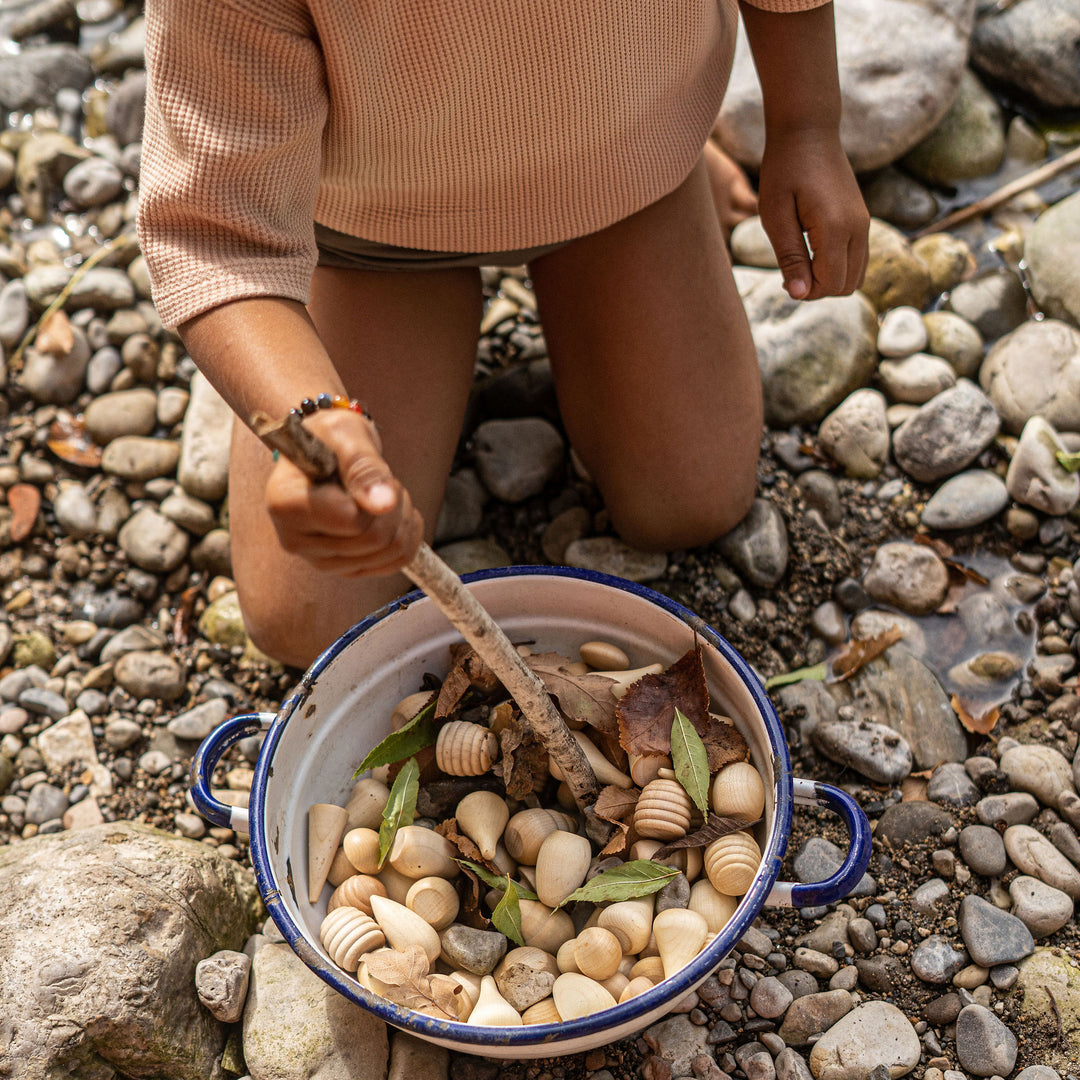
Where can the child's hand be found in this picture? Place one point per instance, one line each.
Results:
(363, 524)
(807, 186)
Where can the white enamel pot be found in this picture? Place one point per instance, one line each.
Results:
(342, 707)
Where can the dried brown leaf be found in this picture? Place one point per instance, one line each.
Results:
(715, 827)
(647, 709)
(55, 335)
(405, 975)
(943, 549)
(24, 501)
(723, 743)
(581, 697)
(977, 725)
(471, 913)
(959, 574)
(619, 842)
(857, 653)
(398, 966)
(616, 804)
(524, 761)
(69, 441)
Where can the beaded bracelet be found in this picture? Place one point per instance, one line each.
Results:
(328, 401)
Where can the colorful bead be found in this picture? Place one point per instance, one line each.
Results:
(327, 401)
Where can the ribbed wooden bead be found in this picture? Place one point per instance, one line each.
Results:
(663, 811)
(732, 862)
(464, 749)
(347, 933)
(356, 892)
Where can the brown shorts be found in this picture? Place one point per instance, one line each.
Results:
(353, 253)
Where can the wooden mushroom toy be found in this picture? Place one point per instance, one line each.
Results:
(492, 1009)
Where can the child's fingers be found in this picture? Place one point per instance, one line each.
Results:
(792, 256)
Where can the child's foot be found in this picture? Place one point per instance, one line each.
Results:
(734, 198)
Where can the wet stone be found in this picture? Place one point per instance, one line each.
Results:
(993, 936)
(966, 500)
(983, 850)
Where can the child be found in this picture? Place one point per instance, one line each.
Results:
(564, 135)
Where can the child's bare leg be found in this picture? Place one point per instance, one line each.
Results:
(655, 368)
(733, 197)
(404, 343)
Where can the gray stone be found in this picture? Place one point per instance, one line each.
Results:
(873, 750)
(1035, 371)
(31, 78)
(195, 724)
(758, 546)
(1035, 855)
(966, 500)
(14, 313)
(814, 1013)
(819, 859)
(93, 182)
(517, 459)
(984, 1045)
(811, 355)
(1041, 770)
(203, 470)
(1031, 47)
(1012, 808)
(887, 108)
(751, 246)
(915, 379)
(297, 1027)
(935, 960)
(75, 512)
(926, 898)
(56, 379)
(37, 699)
(872, 1036)
(221, 982)
(95, 886)
(153, 542)
(125, 109)
(478, 951)
(950, 783)
(154, 675)
(1052, 251)
(813, 698)
(189, 513)
(1038, 1072)
(904, 823)
(911, 577)
(132, 639)
(954, 339)
(900, 199)
(103, 288)
(609, 555)
(901, 691)
(983, 850)
(770, 998)
(820, 492)
(946, 434)
(873, 621)
(986, 619)
(131, 457)
(993, 303)
(1036, 477)
(992, 936)
(968, 142)
(677, 1041)
(1040, 907)
(463, 507)
(856, 434)
(126, 412)
(417, 1059)
(104, 366)
(46, 802)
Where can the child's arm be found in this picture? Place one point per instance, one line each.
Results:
(806, 181)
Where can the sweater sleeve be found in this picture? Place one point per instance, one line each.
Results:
(235, 109)
(787, 5)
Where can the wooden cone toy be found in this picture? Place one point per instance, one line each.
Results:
(326, 827)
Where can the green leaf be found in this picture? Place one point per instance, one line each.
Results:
(818, 672)
(400, 808)
(422, 730)
(1069, 462)
(690, 760)
(494, 881)
(638, 878)
(506, 917)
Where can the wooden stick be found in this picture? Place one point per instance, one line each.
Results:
(1004, 193)
(465, 613)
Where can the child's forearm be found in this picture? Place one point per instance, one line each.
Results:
(261, 353)
(795, 56)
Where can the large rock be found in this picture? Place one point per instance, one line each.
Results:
(1052, 254)
(1035, 371)
(1031, 46)
(1036, 476)
(297, 1028)
(899, 690)
(1049, 988)
(811, 355)
(870, 1036)
(900, 65)
(100, 932)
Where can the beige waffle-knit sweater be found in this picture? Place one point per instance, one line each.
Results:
(452, 125)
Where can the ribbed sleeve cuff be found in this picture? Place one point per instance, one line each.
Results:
(787, 5)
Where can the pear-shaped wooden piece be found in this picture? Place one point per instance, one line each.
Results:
(482, 816)
(630, 921)
(326, 827)
(492, 1009)
(561, 865)
(366, 803)
(606, 773)
(577, 995)
(403, 927)
(418, 853)
(680, 933)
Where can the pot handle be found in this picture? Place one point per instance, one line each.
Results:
(832, 889)
(205, 761)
